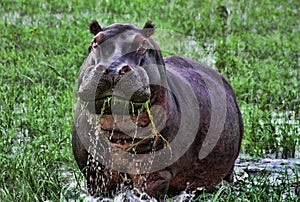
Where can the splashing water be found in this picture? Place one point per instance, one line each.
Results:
(245, 168)
(95, 142)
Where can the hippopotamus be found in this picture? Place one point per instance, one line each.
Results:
(148, 123)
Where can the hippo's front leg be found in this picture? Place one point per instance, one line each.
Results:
(155, 184)
(104, 182)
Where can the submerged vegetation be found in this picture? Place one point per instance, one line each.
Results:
(254, 44)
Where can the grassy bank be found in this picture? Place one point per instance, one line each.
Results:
(43, 43)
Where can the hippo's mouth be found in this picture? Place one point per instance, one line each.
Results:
(109, 103)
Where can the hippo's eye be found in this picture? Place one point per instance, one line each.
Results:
(142, 49)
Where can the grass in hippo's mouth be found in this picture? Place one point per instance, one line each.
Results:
(140, 108)
(155, 133)
(119, 105)
(105, 102)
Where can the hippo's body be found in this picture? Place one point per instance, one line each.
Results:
(196, 104)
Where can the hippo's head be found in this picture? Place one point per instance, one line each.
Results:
(123, 62)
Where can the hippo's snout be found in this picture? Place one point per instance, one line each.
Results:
(119, 79)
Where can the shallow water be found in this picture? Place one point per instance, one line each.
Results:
(275, 171)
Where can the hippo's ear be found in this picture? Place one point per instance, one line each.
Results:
(148, 29)
(95, 28)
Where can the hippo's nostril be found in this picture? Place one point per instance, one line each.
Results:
(125, 69)
(101, 68)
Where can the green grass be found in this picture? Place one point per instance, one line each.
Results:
(43, 43)
(262, 187)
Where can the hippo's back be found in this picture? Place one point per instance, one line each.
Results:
(216, 145)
